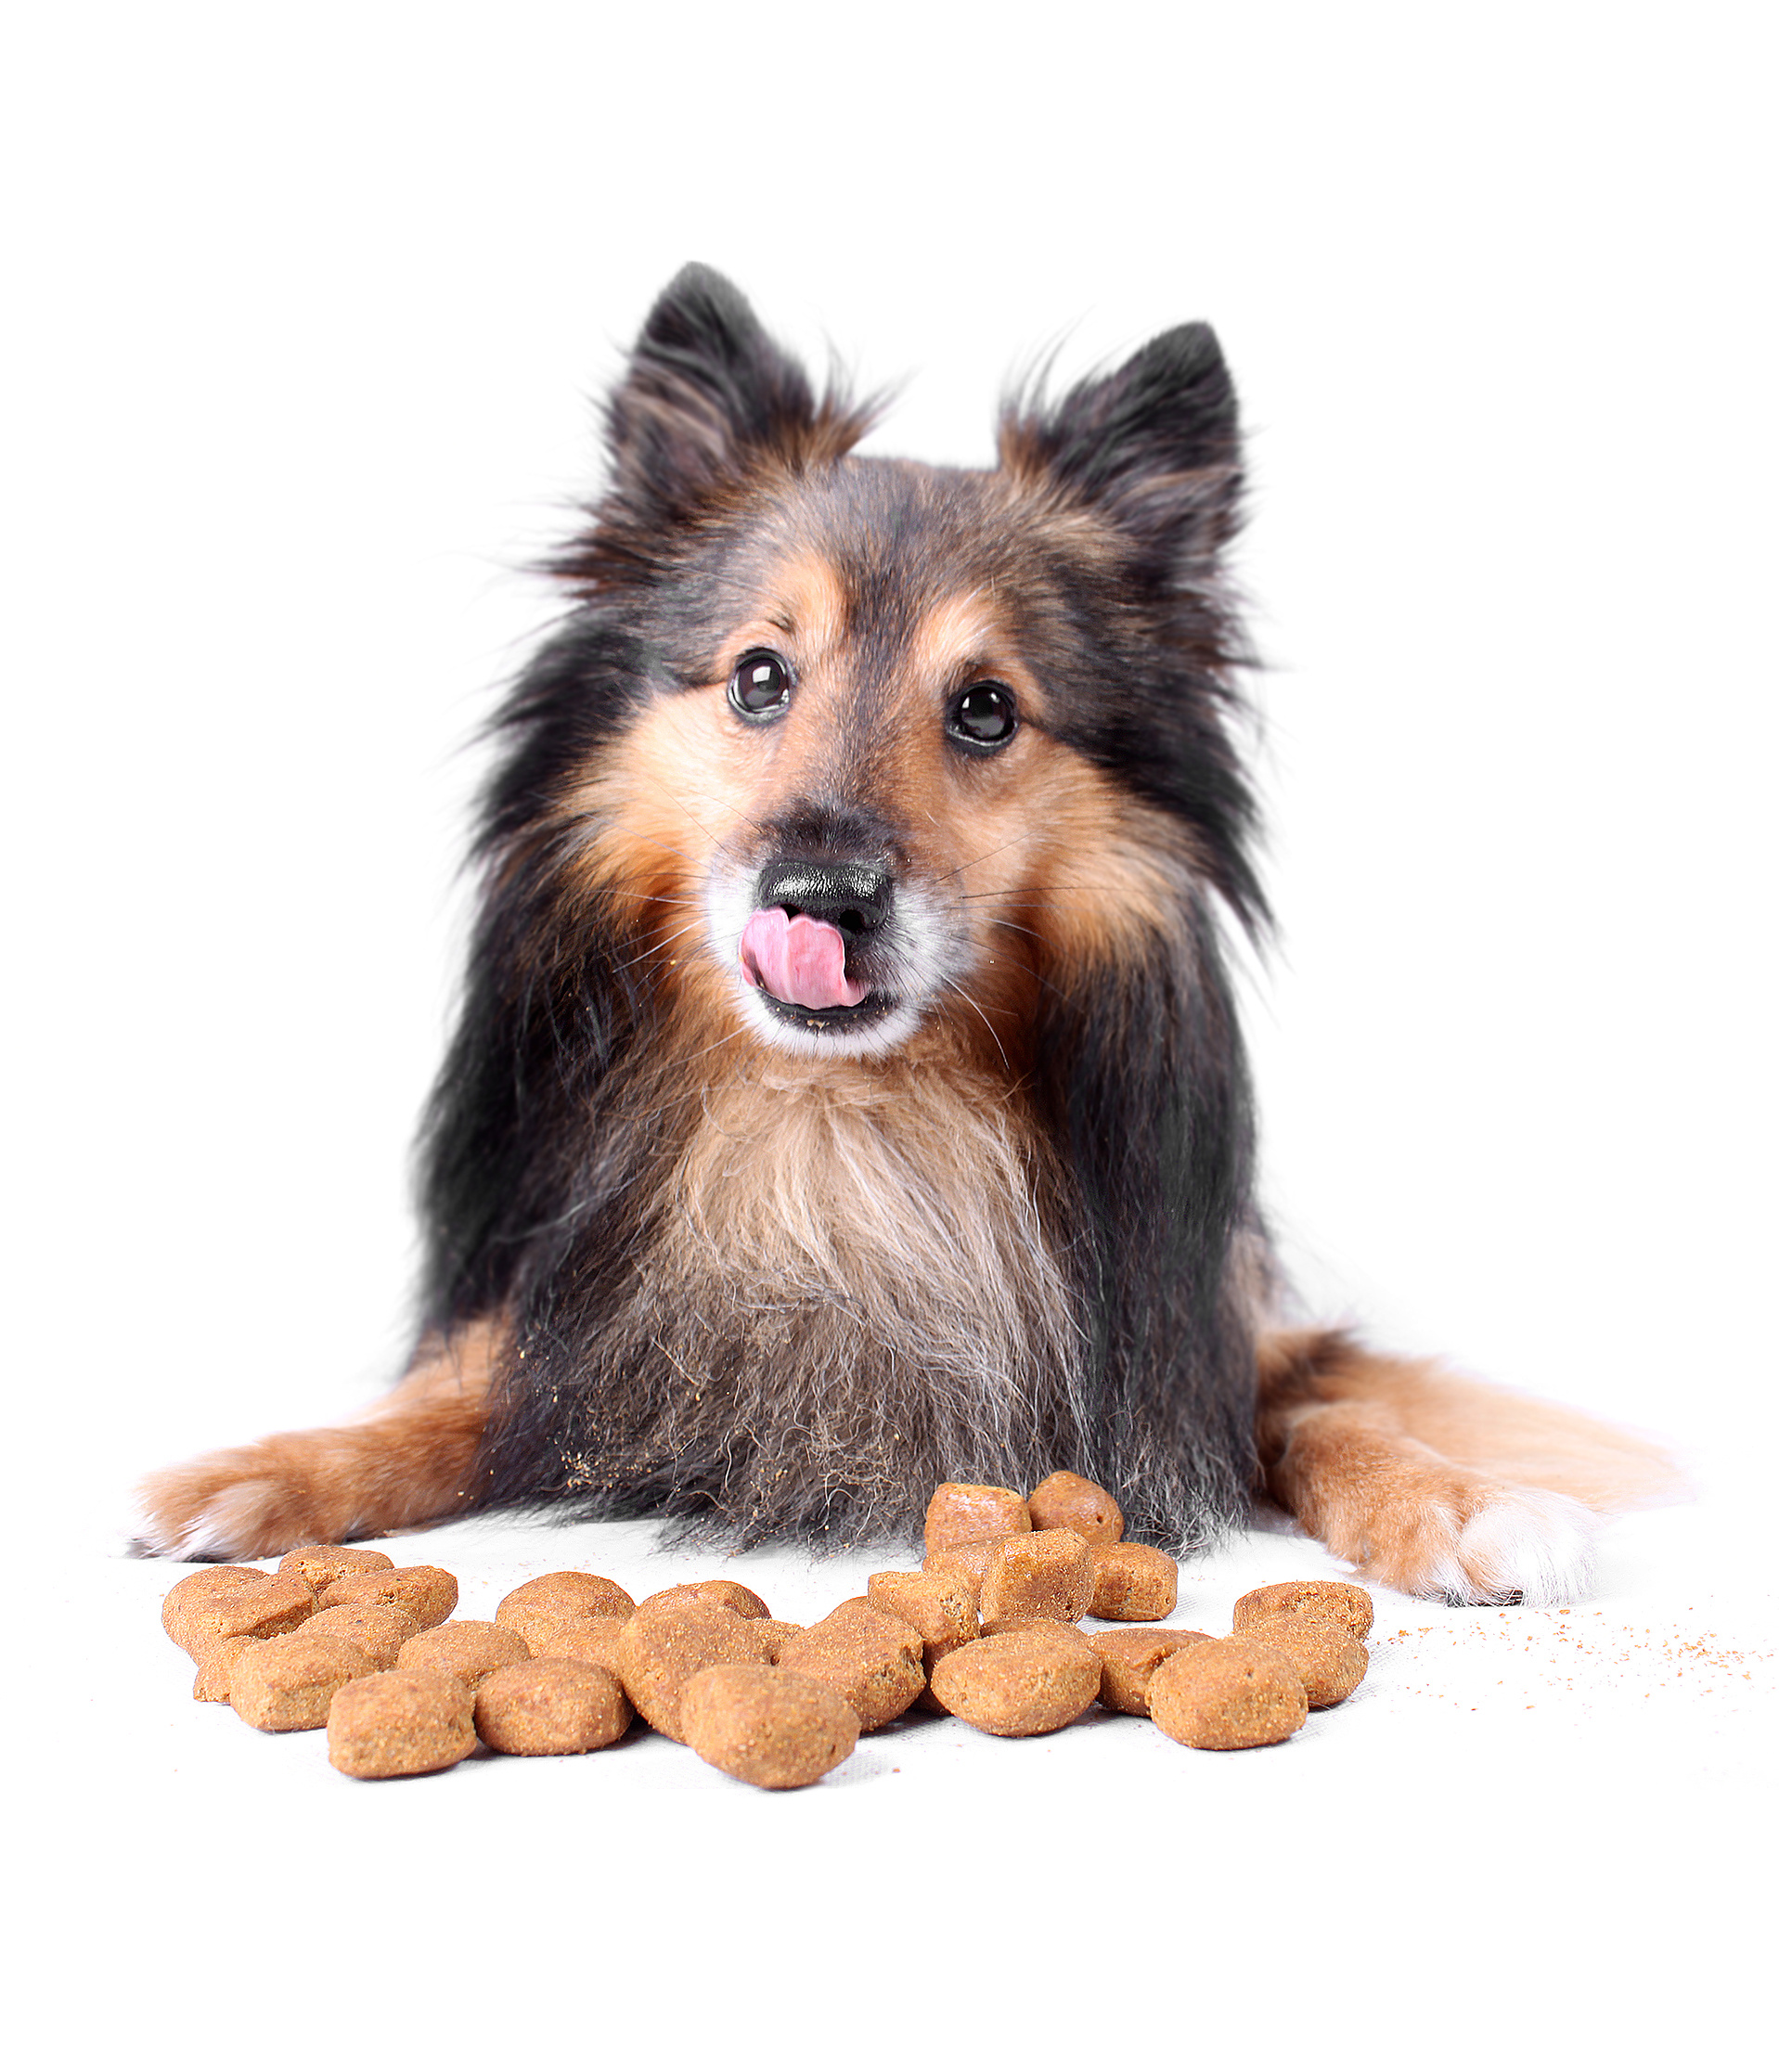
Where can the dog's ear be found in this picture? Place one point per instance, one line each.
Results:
(1154, 445)
(707, 396)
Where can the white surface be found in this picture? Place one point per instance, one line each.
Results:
(306, 308)
(1526, 1829)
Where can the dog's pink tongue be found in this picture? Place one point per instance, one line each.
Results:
(798, 959)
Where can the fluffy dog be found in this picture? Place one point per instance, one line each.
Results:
(848, 1094)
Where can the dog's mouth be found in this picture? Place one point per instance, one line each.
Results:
(798, 964)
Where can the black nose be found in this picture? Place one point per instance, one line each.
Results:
(853, 897)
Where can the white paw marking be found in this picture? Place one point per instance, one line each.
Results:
(223, 1527)
(1531, 1543)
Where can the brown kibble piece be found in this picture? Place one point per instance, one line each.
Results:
(540, 1624)
(969, 1561)
(428, 1594)
(776, 1632)
(260, 1608)
(1346, 1604)
(960, 1511)
(468, 1649)
(938, 1606)
(318, 1566)
(401, 1723)
(536, 1609)
(1235, 1694)
(1038, 1575)
(932, 1654)
(736, 1596)
(767, 1726)
(181, 1602)
(210, 1684)
(1128, 1659)
(663, 1647)
(873, 1659)
(1325, 1656)
(1029, 1682)
(1133, 1582)
(286, 1684)
(594, 1641)
(382, 1630)
(551, 1708)
(1071, 1500)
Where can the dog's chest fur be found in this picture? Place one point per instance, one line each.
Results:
(852, 1269)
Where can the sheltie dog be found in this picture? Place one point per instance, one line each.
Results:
(846, 1094)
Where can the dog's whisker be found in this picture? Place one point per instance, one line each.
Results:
(953, 985)
(656, 948)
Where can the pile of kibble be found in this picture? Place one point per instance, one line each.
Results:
(986, 1629)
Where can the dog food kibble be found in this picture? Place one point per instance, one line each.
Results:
(1133, 1582)
(767, 1726)
(1344, 1603)
(550, 1709)
(259, 1608)
(939, 1607)
(382, 1630)
(180, 1603)
(567, 1593)
(544, 1608)
(932, 1654)
(969, 1560)
(873, 1659)
(1038, 1576)
(428, 1594)
(1029, 1682)
(401, 1723)
(1071, 1500)
(1330, 1664)
(663, 1646)
(469, 1649)
(1128, 1659)
(594, 1641)
(1235, 1694)
(318, 1566)
(939, 1602)
(736, 1596)
(960, 1511)
(210, 1684)
(285, 1685)
(986, 1629)
(776, 1632)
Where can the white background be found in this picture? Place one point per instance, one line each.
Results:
(308, 309)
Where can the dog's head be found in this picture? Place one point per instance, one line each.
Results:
(893, 748)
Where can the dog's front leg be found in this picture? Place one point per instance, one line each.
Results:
(1438, 1485)
(409, 1460)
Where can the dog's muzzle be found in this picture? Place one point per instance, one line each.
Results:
(808, 944)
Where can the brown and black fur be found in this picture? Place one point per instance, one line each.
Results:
(688, 1257)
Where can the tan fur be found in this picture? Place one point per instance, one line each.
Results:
(404, 1465)
(1430, 1483)
(803, 1214)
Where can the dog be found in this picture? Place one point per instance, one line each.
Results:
(848, 1094)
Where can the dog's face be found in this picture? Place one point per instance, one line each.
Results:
(860, 796)
(901, 759)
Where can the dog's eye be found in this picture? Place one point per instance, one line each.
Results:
(761, 685)
(983, 717)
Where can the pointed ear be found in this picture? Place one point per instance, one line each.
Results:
(707, 396)
(1156, 445)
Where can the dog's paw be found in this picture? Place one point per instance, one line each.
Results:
(1526, 1545)
(237, 1505)
(1489, 1543)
